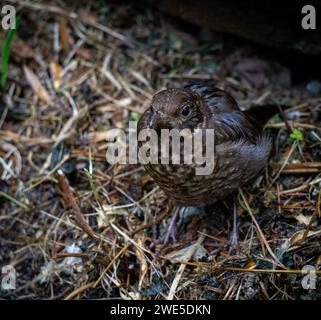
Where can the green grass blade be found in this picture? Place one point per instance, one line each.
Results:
(92, 184)
(6, 53)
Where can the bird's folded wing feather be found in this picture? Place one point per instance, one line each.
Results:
(228, 121)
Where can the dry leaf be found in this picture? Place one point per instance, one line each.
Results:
(87, 17)
(143, 263)
(94, 137)
(302, 219)
(64, 33)
(56, 71)
(78, 76)
(251, 265)
(107, 214)
(185, 254)
(36, 85)
(298, 236)
(20, 49)
(102, 222)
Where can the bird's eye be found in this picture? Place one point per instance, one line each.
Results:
(185, 111)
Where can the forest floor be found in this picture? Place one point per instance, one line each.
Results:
(79, 69)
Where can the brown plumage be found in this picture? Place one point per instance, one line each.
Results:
(241, 148)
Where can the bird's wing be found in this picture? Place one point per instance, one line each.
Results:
(229, 122)
(216, 99)
(238, 162)
(235, 126)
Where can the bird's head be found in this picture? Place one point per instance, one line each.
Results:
(178, 109)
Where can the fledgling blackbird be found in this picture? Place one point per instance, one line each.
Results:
(241, 147)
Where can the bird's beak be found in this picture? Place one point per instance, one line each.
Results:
(163, 122)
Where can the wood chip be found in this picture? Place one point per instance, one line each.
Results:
(36, 85)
